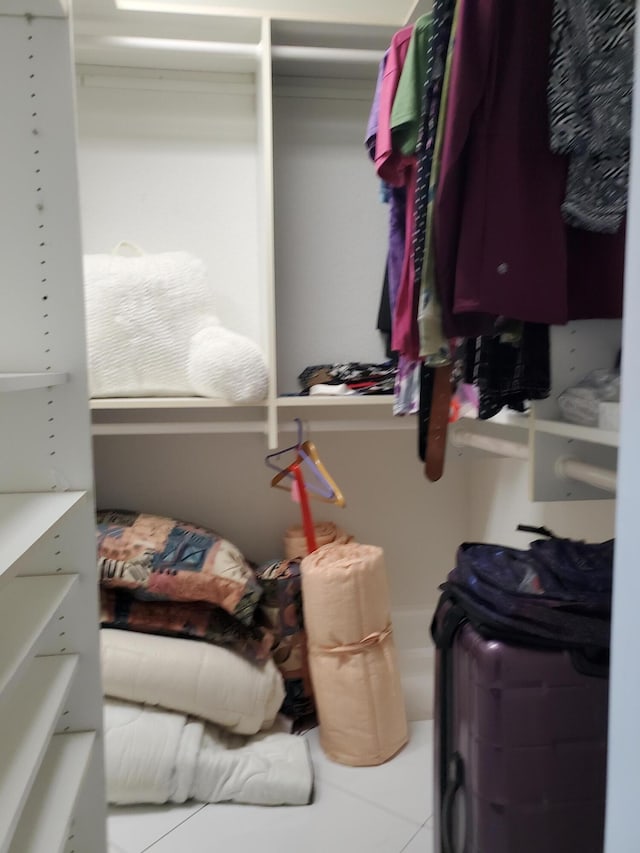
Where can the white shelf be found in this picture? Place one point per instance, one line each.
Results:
(29, 381)
(26, 607)
(44, 823)
(25, 518)
(28, 715)
(125, 403)
(610, 438)
(108, 404)
(504, 418)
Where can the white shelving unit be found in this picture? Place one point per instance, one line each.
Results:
(25, 519)
(28, 715)
(27, 606)
(50, 695)
(54, 795)
(28, 381)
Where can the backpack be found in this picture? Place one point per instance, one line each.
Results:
(556, 594)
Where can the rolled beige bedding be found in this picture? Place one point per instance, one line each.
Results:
(295, 542)
(352, 655)
(195, 678)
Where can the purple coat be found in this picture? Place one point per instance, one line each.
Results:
(501, 245)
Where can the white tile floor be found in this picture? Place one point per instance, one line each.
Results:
(383, 809)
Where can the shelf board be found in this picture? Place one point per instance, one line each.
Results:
(26, 607)
(125, 403)
(503, 418)
(140, 403)
(28, 715)
(25, 518)
(355, 401)
(44, 823)
(28, 381)
(610, 438)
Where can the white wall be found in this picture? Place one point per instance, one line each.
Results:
(331, 234)
(176, 169)
(499, 501)
(222, 482)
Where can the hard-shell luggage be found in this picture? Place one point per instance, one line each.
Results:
(520, 744)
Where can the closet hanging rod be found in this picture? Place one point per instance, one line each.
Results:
(600, 478)
(565, 468)
(353, 56)
(217, 48)
(499, 446)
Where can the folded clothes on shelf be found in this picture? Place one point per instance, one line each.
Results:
(356, 377)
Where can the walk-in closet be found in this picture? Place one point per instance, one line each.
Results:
(236, 137)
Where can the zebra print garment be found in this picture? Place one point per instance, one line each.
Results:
(589, 97)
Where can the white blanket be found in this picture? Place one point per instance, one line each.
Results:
(152, 330)
(155, 756)
(193, 677)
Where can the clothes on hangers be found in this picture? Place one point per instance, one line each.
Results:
(395, 196)
(404, 124)
(434, 334)
(397, 90)
(509, 370)
(501, 244)
(466, 125)
(589, 94)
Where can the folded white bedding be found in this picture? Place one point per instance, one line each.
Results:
(195, 678)
(156, 756)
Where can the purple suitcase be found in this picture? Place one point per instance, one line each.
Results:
(524, 736)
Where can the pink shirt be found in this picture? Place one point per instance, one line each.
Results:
(390, 164)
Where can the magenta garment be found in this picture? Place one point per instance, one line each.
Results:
(397, 198)
(398, 171)
(397, 243)
(390, 164)
(501, 246)
(404, 332)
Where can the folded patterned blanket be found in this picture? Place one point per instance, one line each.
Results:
(281, 608)
(190, 620)
(192, 677)
(155, 756)
(161, 559)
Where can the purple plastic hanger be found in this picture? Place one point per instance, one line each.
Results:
(317, 484)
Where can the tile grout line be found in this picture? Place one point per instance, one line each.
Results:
(173, 829)
(378, 805)
(412, 839)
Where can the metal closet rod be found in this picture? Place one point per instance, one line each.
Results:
(354, 56)
(565, 467)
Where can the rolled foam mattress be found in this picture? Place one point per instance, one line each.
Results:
(352, 655)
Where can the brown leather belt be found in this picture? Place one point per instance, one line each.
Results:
(438, 422)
